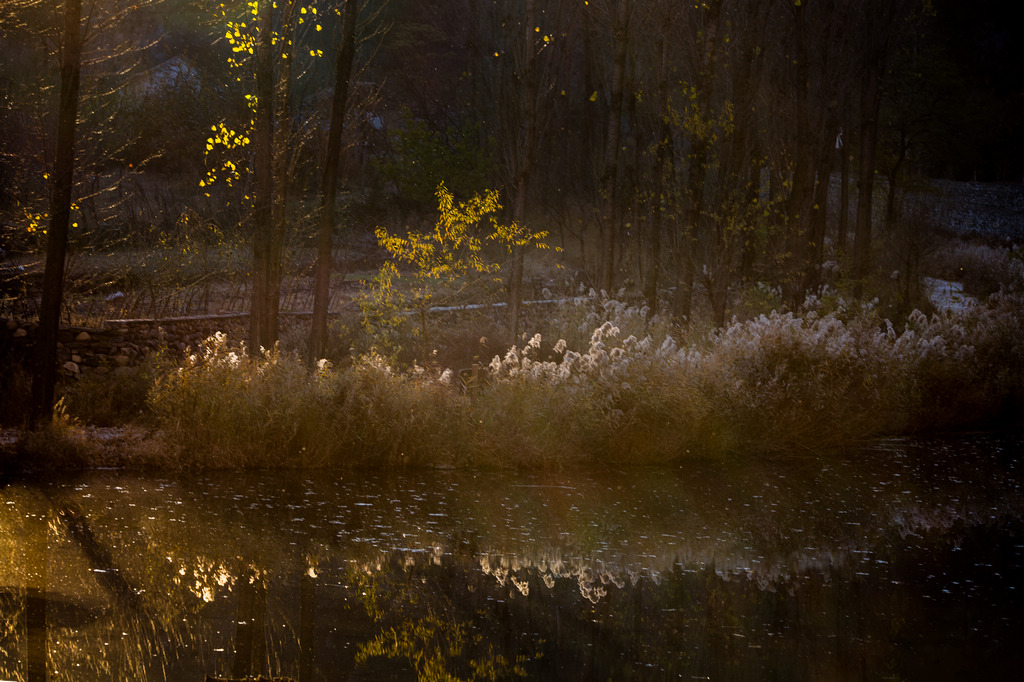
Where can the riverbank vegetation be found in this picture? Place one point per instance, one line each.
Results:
(827, 376)
(621, 391)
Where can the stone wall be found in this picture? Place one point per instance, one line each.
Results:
(119, 344)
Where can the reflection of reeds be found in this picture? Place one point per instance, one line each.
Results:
(655, 540)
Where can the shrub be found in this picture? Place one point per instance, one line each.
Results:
(442, 267)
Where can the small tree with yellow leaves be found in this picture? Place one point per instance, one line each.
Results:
(437, 268)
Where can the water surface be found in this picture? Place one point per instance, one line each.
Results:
(903, 560)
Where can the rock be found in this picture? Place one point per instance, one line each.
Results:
(120, 371)
(83, 336)
(19, 332)
(71, 367)
(102, 370)
(77, 359)
(121, 360)
(12, 323)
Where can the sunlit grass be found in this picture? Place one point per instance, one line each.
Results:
(814, 381)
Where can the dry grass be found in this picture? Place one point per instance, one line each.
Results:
(775, 382)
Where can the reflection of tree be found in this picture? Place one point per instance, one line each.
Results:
(102, 563)
(425, 615)
(35, 599)
(250, 629)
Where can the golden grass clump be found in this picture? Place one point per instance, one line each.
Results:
(811, 380)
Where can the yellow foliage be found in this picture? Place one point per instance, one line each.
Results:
(440, 265)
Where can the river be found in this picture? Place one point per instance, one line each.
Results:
(903, 559)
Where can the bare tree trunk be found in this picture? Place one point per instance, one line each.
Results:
(263, 329)
(866, 176)
(818, 220)
(524, 169)
(660, 163)
(892, 190)
(44, 380)
(281, 153)
(844, 196)
(686, 259)
(329, 184)
(802, 194)
(749, 248)
(686, 270)
(609, 183)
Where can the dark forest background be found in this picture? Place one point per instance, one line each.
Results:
(665, 146)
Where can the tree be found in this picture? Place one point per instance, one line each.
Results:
(86, 143)
(620, 27)
(45, 378)
(437, 268)
(523, 160)
(263, 313)
(329, 187)
(265, 55)
(883, 22)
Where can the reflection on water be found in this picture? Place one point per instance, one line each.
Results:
(902, 561)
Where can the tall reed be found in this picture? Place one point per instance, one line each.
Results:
(812, 380)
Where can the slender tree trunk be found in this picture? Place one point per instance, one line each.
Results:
(281, 155)
(686, 259)
(263, 329)
(866, 175)
(44, 380)
(892, 191)
(524, 167)
(749, 247)
(686, 270)
(802, 195)
(844, 196)
(818, 220)
(329, 184)
(609, 182)
(664, 133)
